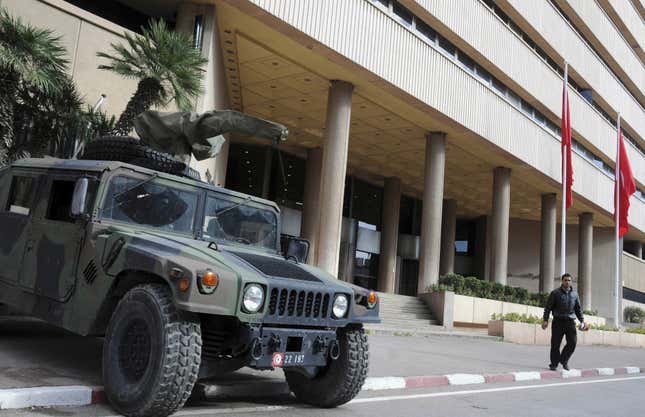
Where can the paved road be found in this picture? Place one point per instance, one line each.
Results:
(597, 397)
(35, 354)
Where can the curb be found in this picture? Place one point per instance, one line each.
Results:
(384, 383)
(84, 395)
(371, 331)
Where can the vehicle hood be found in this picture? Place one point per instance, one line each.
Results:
(242, 260)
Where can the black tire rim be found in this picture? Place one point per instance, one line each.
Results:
(134, 350)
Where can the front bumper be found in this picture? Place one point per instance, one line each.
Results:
(291, 347)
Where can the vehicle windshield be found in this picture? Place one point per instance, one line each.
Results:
(239, 221)
(151, 202)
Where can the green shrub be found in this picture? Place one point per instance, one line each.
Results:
(521, 295)
(517, 317)
(590, 312)
(497, 290)
(604, 327)
(638, 331)
(474, 287)
(634, 315)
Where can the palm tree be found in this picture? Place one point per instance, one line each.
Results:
(29, 58)
(166, 65)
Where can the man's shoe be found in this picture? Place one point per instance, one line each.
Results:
(553, 367)
(565, 366)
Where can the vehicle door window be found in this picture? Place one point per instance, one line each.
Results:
(21, 196)
(60, 201)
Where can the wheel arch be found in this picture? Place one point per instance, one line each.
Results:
(123, 282)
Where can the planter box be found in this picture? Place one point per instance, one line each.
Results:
(532, 334)
(478, 311)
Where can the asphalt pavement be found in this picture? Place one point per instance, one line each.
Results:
(35, 354)
(597, 397)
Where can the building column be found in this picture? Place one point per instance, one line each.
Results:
(334, 168)
(585, 249)
(448, 231)
(389, 235)
(311, 209)
(215, 87)
(547, 243)
(432, 206)
(499, 229)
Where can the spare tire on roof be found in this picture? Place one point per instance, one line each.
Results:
(133, 151)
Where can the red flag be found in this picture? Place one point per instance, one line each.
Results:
(566, 142)
(627, 187)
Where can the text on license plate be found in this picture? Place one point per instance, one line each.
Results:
(287, 359)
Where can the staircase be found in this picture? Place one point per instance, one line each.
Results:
(403, 314)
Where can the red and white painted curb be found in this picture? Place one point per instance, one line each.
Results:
(72, 396)
(385, 383)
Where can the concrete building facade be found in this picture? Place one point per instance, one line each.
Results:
(424, 135)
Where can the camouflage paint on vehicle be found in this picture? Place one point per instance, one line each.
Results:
(72, 272)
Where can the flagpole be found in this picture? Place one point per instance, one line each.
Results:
(617, 318)
(563, 234)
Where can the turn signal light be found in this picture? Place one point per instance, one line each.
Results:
(210, 279)
(184, 284)
(207, 281)
(371, 299)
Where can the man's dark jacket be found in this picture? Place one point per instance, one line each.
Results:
(564, 304)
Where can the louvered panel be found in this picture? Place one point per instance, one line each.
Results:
(546, 20)
(603, 28)
(632, 20)
(426, 74)
(483, 30)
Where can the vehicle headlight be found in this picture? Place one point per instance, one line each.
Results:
(339, 309)
(253, 298)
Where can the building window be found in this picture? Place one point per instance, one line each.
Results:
(288, 190)
(367, 203)
(403, 15)
(426, 31)
(447, 46)
(21, 195)
(366, 269)
(198, 32)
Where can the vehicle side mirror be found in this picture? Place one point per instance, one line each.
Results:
(297, 249)
(78, 199)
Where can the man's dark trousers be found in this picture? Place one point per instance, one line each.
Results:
(562, 327)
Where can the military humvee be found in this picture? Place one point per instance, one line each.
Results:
(184, 279)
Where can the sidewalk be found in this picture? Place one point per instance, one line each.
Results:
(33, 354)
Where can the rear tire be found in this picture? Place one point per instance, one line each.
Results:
(341, 380)
(151, 353)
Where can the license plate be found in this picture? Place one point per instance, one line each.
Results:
(287, 359)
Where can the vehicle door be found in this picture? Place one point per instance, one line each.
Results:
(18, 190)
(54, 244)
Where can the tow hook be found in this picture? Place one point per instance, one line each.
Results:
(256, 349)
(318, 345)
(334, 350)
(275, 343)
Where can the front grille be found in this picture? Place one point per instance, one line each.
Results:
(275, 267)
(298, 303)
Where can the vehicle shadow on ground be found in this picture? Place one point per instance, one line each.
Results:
(34, 353)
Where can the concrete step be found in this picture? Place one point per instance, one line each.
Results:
(408, 308)
(406, 316)
(410, 323)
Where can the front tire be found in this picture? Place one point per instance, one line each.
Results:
(151, 353)
(341, 380)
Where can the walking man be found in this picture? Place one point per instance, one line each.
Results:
(564, 302)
